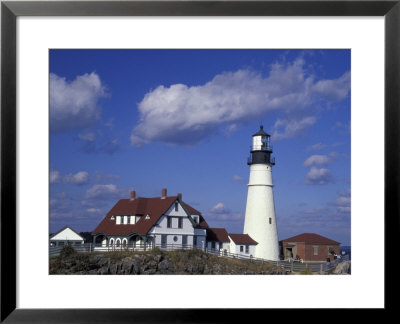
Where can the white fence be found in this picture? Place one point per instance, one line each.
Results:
(286, 265)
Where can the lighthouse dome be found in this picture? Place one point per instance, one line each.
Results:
(261, 132)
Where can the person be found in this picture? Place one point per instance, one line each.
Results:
(328, 262)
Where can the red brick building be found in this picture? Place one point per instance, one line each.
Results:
(310, 247)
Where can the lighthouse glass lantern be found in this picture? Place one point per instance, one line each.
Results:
(261, 149)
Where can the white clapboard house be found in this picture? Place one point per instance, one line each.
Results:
(165, 222)
(65, 236)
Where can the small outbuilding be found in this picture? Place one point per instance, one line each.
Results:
(242, 244)
(65, 236)
(217, 239)
(310, 247)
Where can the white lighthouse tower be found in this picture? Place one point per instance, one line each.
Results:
(260, 220)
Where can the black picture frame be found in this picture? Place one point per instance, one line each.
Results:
(10, 10)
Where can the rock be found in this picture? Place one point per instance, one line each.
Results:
(165, 266)
(126, 266)
(152, 265)
(343, 268)
(103, 271)
(150, 271)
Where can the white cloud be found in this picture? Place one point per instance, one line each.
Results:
(316, 147)
(317, 160)
(318, 176)
(238, 178)
(181, 114)
(343, 202)
(98, 142)
(78, 178)
(221, 212)
(55, 177)
(337, 89)
(74, 104)
(93, 210)
(292, 128)
(108, 191)
(219, 208)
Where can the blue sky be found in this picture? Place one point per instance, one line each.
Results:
(144, 120)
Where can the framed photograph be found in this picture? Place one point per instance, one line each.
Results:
(82, 109)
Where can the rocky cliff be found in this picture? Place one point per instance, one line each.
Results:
(193, 262)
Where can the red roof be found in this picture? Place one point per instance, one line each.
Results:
(154, 207)
(310, 238)
(242, 239)
(217, 235)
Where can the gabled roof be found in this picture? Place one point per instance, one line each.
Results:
(217, 235)
(310, 238)
(154, 207)
(242, 239)
(62, 230)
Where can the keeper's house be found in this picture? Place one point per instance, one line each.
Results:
(310, 247)
(165, 221)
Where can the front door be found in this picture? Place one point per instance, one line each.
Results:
(289, 253)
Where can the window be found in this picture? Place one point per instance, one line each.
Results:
(241, 248)
(169, 222)
(270, 220)
(180, 222)
(163, 240)
(195, 219)
(213, 245)
(184, 240)
(315, 250)
(175, 238)
(247, 249)
(128, 220)
(194, 240)
(176, 206)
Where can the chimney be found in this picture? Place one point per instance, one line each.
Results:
(179, 196)
(164, 193)
(133, 195)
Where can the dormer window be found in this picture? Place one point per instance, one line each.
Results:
(112, 218)
(147, 216)
(118, 220)
(195, 219)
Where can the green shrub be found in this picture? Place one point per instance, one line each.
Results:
(67, 251)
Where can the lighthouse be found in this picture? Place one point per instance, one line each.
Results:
(260, 219)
